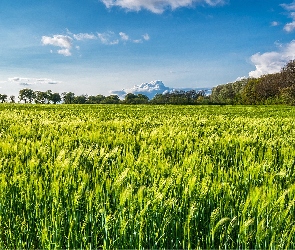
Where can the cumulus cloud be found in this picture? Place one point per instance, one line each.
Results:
(157, 6)
(289, 27)
(32, 81)
(64, 42)
(150, 89)
(273, 61)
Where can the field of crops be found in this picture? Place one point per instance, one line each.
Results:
(104, 176)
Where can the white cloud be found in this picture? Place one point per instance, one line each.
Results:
(124, 36)
(150, 89)
(289, 27)
(64, 42)
(158, 6)
(272, 62)
(108, 38)
(146, 37)
(240, 78)
(32, 81)
(65, 52)
(84, 36)
(58, 40)
(289, 7)
(111, 38)
(137, 41)
(274, 24)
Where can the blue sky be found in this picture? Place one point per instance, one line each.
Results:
(95, 46)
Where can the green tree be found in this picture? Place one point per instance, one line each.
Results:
(95, 99)
(55, 98)
(287, 95)
(131, 98)
(41, 97)
(48, 95)
(159, 99)
(143, 99)
(26, 95)
(249, 94)
(3, 98)
(68, 97)
(112, 99)
(12, 99)
(223, 94)
(81, 99)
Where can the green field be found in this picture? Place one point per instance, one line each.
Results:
(107, 176)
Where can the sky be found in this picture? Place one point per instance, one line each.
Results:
(98, 46)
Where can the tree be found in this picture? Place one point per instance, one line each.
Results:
(95, 99)
(26, 95)
(180, 97)
(81, 99)
(40, 97)
(131, 98)
(288, 75)
(287, 95)
(100, 98)
(142, 99)
(3, 98)
(230, 93)
(159, 99)
(55, 98)
(48, 95)
(112, 99)
(68, 97)
(12, 99)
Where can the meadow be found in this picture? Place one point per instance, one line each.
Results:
(147, 177)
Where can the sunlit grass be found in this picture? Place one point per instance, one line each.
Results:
(171, 177)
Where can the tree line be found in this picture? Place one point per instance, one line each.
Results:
(48, 97)
(278, 88)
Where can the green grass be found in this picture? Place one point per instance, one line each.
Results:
(107, 176)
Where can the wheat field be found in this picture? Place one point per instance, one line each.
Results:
(147, 177)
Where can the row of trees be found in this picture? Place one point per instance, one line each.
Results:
(278, 88)
(181, 97)
(47, 97)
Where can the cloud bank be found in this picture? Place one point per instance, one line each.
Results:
(157, 6)
(273, 61)
(149, 89)
(32, 81)
(66, 42)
